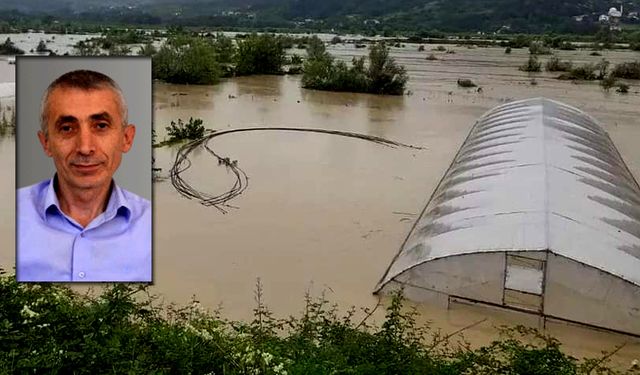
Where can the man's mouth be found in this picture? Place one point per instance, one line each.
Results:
(86, 168)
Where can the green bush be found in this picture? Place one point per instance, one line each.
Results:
(608, 82)
(507, 50)
(186, 60)
(147, 50)
(260, 54)
(538, 48)
(532, 65)
(623, 88)
(179, 130)
(627, 70)
(382, 76)
(47, 328)
(9, 48)
(554, 64)
(587, 72)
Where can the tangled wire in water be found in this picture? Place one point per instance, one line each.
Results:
(219, 201)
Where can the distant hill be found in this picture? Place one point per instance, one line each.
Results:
(346, 15)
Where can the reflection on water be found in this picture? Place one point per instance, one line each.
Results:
(325, 213)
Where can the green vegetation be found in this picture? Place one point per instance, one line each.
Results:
(42, 47)
(628, 70)
(539, 48)
(623, 88)
(9, 48)
(180, 131)
(587, 72)
(431, 57)
(47, 328)
(554, 64)
(381, 76)
(187, 60)
(86, 48)
(532, 65)
(260, 54)
(507, 50)
(608, 82)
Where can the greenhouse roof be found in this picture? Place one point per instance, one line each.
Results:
(532, 175)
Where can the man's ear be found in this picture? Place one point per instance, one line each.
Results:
(129, 134)
(44, 141)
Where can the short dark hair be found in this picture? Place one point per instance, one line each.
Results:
(83, 80)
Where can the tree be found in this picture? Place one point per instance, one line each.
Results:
(386, 76)
(9, 48)
(42, 47)
(260, 54)
(186, 61)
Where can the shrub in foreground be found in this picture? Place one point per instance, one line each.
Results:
(46, 328)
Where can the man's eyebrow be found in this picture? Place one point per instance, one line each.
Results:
(101, 116)
(65, 119)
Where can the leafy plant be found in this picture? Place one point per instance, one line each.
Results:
(628, 70)
(554, 64)
(9, 48)
(623, 88)
(260, 54)
(191, 130)
(48, 328)
(532, 65)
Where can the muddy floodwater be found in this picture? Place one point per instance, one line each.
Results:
(326, 214)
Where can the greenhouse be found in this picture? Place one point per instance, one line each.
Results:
(538, 213)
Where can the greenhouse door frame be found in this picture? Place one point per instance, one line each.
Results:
(524, 281)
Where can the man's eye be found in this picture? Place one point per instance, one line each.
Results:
(102, 125)
(65, 128)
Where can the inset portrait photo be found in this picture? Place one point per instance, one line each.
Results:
(83, 169)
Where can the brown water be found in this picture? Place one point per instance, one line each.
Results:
(325, 214)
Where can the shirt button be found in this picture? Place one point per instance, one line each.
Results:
(81, 275)
(82, 234)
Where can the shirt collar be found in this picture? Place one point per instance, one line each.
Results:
(118, 203)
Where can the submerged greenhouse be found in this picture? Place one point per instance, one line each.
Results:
(537, 213)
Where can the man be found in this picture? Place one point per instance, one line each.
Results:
(79, 225)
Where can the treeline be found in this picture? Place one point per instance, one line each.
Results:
(206, 59)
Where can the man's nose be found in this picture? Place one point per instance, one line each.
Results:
(85, 141)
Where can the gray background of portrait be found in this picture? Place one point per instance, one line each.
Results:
(132, 74)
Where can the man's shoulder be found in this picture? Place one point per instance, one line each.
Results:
(138, 204)
(32, 192)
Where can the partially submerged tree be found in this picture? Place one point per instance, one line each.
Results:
(381, 76)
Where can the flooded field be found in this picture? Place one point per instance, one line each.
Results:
(326, 214)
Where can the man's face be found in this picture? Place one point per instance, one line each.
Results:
(86, 136)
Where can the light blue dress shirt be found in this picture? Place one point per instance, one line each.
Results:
(51, 246)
